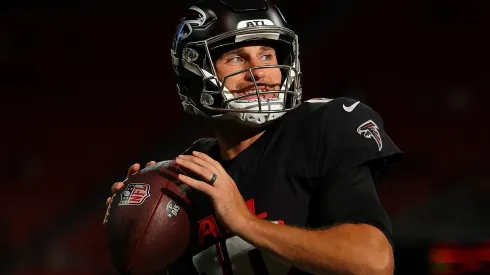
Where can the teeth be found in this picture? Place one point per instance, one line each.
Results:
(250, 92)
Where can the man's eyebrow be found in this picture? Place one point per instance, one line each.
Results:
(234, 51)
(265, 48)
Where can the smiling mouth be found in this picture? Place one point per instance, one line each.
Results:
(252, 94)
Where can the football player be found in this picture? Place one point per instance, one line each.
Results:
(286, 187)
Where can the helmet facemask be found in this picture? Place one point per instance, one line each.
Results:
(256, 108)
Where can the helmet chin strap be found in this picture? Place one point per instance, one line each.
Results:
(259, 119)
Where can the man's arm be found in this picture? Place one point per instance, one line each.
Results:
(359, 241)
(346, 197)
(342, 249)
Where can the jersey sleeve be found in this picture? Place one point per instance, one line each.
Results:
(353, 134)
(352, 149)
(349, 197)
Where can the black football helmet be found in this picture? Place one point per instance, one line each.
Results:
(211, 27)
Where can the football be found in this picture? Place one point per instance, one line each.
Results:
(148, 223)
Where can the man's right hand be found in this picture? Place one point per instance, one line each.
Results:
(116, 186)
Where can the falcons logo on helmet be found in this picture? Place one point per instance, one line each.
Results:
(369, 129)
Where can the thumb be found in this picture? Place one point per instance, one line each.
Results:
(150, 163)
(133, 169)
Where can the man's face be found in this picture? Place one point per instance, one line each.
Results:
(267, 79)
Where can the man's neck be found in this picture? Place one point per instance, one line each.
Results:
(234, 138)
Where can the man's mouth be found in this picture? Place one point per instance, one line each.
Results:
(252, 94)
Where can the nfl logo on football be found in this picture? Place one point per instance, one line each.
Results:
(135, 194)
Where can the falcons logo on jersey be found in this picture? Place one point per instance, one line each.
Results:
(369, 129)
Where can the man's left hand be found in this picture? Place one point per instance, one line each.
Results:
(228, 203)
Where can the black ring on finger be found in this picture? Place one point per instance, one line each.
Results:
(213, 179)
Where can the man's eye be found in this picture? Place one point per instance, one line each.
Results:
(235, 59)
(266, 57)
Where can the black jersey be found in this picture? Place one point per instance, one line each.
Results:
(312, 168)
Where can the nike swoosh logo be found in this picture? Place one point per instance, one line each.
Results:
(350, 108)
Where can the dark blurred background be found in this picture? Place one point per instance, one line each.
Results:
(87, 89)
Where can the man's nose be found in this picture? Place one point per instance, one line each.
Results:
(257, 74)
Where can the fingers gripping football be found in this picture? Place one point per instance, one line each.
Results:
(118, 185)
(230, 207)
(204, 169)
